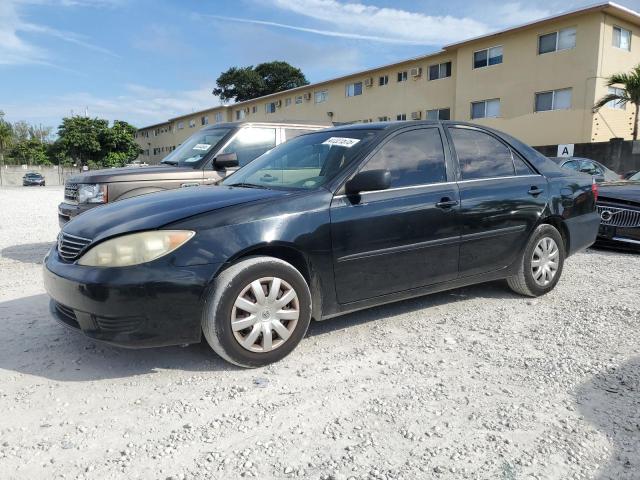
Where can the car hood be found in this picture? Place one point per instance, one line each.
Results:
(621, 190)
(128, 174)
(149, 212)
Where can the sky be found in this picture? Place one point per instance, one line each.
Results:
(145, 61)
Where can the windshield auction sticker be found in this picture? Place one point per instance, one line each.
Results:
(341, 141)
(201, 146)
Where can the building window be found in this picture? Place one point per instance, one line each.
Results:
(192, 123)
(487, 57)
(442, 70)
(204, 120)
(353, 89)
(180, 125)
(321, 96)
(553, 100)
(383, 119)
(254, 109)
(617, 104)
(383, 80)
(486, 109)
(240, 114)
(401, 117)
(287, 102)
(270, 107)
(552, 42)
(402, 76)
(621, 38)
(439, 114)
(298, 99)
(219, 117)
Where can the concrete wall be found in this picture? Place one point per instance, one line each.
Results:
(11, 175)
(618, 155)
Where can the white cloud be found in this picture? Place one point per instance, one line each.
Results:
(15, 49)
(390, 24)
(138, 104)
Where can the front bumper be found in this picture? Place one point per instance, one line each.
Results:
(66, 211)
(627, 238)
(149, 305)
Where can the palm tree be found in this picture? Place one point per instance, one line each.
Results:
(6, 134)
(630, 93)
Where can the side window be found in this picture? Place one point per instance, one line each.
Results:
(250, 143)
(521, 166)
(480, 155)
(290, 133)
(588, 166)
(414, 158)
(571, 165)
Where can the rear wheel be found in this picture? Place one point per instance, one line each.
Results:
(257, 311)
(541, 264)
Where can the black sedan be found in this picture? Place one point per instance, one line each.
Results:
(327, 223)
(599, 172)
(619, 210)
(33, 179)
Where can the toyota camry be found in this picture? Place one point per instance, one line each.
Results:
(328, 223)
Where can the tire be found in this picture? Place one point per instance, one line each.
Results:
(524, 281)
(233, 289)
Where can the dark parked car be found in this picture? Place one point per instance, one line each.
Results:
(33, 179)
(328, 223)
(585, 165)
(205, 158)
(619, 210)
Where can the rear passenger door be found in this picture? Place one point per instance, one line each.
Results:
(405, 237)
(501, 200)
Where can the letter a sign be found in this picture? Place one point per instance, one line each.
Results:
(565, 150)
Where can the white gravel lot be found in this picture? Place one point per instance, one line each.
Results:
(473, 383)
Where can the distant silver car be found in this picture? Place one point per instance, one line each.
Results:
(599, 172)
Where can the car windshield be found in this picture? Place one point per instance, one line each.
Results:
(306, 162)
(195, 148)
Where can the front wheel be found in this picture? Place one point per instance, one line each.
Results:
(257, 311)
(541, 263)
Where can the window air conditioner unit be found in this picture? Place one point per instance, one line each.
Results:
(246, 110)
(278, 103)
(416, 115)
(307, 96)
(368, 82)
(416, 72)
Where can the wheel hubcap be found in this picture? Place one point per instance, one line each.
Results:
(265, 314)
(545, 261)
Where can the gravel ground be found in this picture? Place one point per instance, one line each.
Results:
(472, 383)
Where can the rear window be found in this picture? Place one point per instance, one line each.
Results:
(480, 155)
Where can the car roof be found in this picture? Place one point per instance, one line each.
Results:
(560, 159)
(284, 123)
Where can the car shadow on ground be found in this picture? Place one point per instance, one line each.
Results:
(610, 401)
(27, 252)
(497, 289)
(33, 343)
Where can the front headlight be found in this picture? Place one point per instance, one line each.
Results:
(135, 248)
(92, 193)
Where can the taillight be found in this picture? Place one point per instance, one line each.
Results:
(594, 189)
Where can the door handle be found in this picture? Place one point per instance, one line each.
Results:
(446, 202)
(535, 191)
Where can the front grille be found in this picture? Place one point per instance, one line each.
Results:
(618, 217)
(124, 325)
(67, 315)
(71, 192)
(71, 247)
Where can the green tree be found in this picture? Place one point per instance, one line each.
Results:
(118, 144)
(630, 93)
(80, 138)
(6, 135)
(31, 151)
(246, 83)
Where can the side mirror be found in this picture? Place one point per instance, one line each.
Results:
(226, 160)
(369, 181)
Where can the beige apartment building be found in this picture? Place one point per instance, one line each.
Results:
(537, 81)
